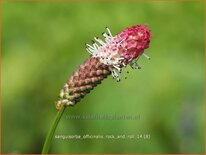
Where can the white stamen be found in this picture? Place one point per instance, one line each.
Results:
(107, 38)
(134, 64)
(89, 51)
(124, 73)
(146, 56)
(121, 41)
(96, 47)
(90, 46)
(109, 31)
(117, 67)
(99, 40)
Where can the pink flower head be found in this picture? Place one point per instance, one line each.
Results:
(134, 40)
(122, 49)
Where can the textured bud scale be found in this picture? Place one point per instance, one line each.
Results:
(107, 58)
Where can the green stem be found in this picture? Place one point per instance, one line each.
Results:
(52, 130)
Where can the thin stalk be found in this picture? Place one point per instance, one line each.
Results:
(52, 130)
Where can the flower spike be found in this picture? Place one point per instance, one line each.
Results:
(107, 57)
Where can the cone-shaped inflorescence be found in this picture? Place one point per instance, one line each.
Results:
(107, 57)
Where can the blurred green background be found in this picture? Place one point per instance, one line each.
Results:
(43, 43)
